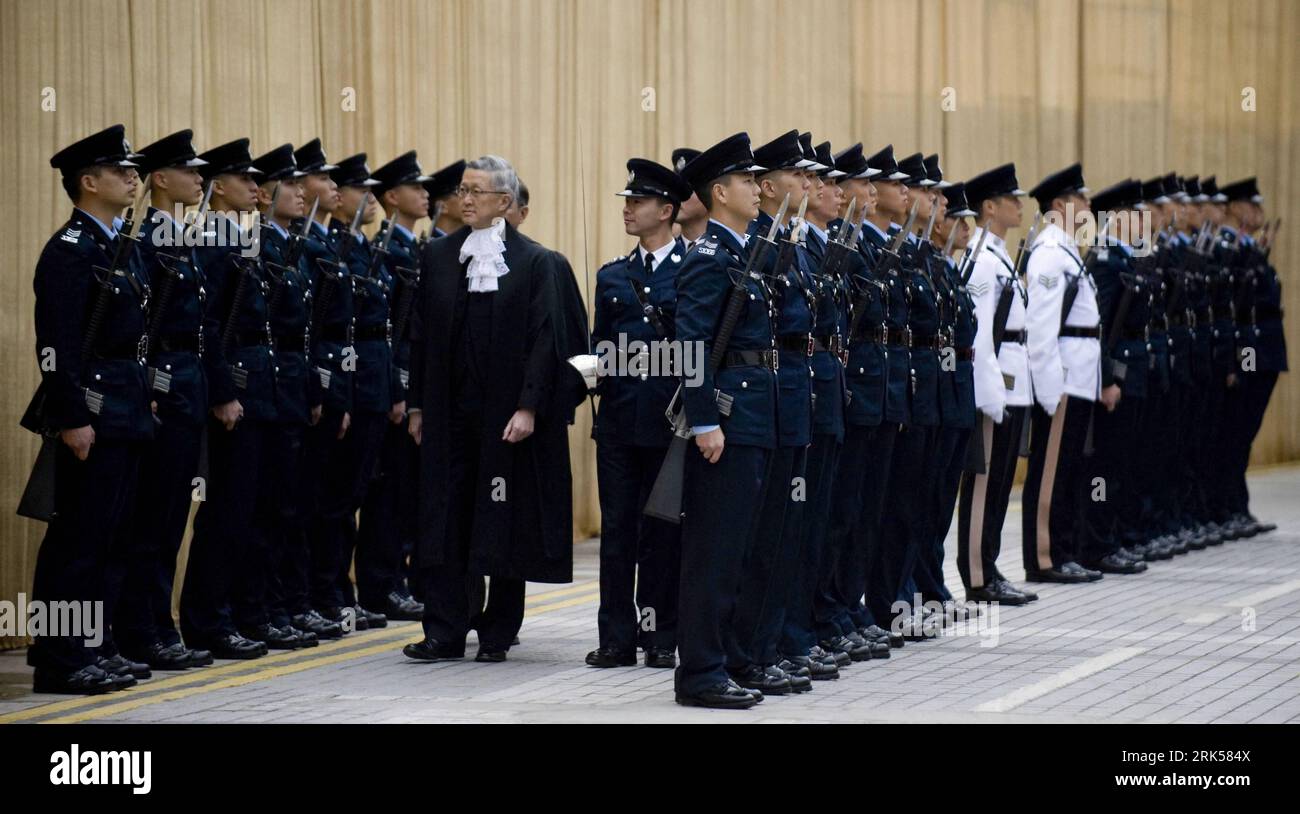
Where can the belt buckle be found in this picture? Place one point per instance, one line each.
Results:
(809, 352)
(388, 331)
(142, 349)
(775, 356)
(351, 330)
(907, 336)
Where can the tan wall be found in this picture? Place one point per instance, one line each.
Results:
(1132, 88)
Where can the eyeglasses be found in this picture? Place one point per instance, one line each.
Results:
(462, 191)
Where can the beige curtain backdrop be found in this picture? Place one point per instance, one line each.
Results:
(569, 89)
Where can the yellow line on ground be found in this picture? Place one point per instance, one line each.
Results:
(201, 675)
(264, 669)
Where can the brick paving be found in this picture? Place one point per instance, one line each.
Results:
(1212, 636)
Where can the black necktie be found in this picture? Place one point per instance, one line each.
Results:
(649, 265)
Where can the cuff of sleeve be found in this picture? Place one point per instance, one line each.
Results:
(703, 428)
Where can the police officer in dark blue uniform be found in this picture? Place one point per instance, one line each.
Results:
(1124, 301)
(912, 474)
(636, 301)
(882, 224)
(93, 403)
(144, 629)
(957, 382)
(388, 515)
(858, 496)
(755, 632)
(262, 591)
(725, 474)
(1259, 321)
(798, 644)
(241, 378)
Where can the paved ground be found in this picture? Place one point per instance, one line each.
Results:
(1210, 636)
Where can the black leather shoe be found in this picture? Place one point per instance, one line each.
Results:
(493, 656)
(1114, 564)
(660, 658)
(433, 650)
(1005, 585)
(199, 658)
(335, 615)
(875, 650)
(836, 660)
(842, 657)
(119, 665)
(273, 637)
(403, 608)
(234, 646)
(817, 670)
(606, 657)
(798, 683)
(790, 668)
(167, 658)
(1264, 528)
(313, 622)
(1055, 575)
(373, 620)
(856, 651)
(89, 680)
(728, 695)
(874, 633)
(305, 637)
(994, 594)
(754, 677)
(1074, 568)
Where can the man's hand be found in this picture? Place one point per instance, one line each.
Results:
(79, 440)
(315, 415)
(710, 444)
(519, 427)
(344, 424)
(414, 426)
(1231, 381)
(397, 412)
(1110, 397)
(229, 413)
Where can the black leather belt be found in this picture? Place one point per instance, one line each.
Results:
(1082, 332)
(1015, 337)
(363, 333)
(334, 333)
(291, 343)
(796, 343)
(965, 354)
(930, 342)
(878, 335)
(120, 351)
(251, 339)
(899, 336)
(180, 343)
(751, 358)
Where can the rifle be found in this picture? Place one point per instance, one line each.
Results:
(665, 500)
(297, 239)
(837, 248)
(967, 267)
(246, 268)
(349, 237)
(786, 253)
(161, 380)
(887, 262)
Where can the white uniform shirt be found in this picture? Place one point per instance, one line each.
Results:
(1003, 381)
(1069, 365)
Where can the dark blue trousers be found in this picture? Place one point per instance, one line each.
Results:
(799, 632)
(639, 556)
(861, 567)
(721, 503)
(223, 544)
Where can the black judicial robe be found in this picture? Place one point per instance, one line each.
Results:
(535, 320)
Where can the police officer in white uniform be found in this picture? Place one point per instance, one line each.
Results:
(1065, 365)
(1002, 386)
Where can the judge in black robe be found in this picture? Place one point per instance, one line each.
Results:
(480, 361)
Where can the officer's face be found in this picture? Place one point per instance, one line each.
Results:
(412, 200)
(290, 204)
(238, 191)
(926, 200)
(891, 199)
(779, 183)
(829, 201)
(450, 207)
(319, 186)
(182, 184)
(113, 185)
(692, 210)
(1074, 208)
(1008, 211)
(964, 231)
(644, 216)
(349, 199)
(737, 193)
